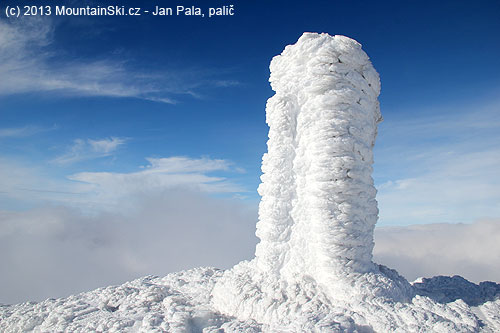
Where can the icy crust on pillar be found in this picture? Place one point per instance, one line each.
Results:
(318, 207)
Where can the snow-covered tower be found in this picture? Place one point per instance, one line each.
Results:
(318, 208)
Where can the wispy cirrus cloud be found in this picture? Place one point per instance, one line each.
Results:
(181, 164)
(29, 64)
(110, 189)
(105, 146)
(226, 83)
(26, 186)
(89, 149)
(25, 131)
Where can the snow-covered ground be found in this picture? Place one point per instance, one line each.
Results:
(313, 270)
(182, 302)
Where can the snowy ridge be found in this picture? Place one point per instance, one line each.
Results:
(313, 270)
(181, 302)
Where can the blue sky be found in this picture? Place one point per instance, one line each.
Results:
(185, 86)
(97, 113)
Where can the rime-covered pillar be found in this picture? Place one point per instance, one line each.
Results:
(318, 208)
(277, 188)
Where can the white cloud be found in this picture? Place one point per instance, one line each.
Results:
(469, 250)
(440, 169)
(457, 188)
(89, 149)
(105, 146)
(102, 228)
(28, 63)
(21, 132)
(226, 83)
(23, 185)
(58, 251)
(108, 189)
(186, 165)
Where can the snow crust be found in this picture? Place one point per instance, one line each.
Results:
(183, 302)
(179, 302)
(313, 269)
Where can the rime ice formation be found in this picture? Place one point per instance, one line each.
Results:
(313, 270)
(318, 208)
